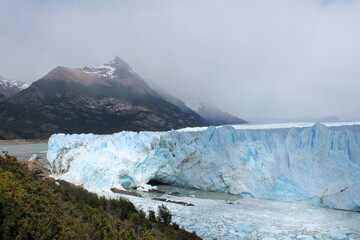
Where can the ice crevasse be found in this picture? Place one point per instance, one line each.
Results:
(316, 165)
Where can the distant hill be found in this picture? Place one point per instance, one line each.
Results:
(216, 117)
(9, 88)
(102, 100)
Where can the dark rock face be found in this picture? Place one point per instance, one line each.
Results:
(9, 88)
(172, 201)
(102, 100)
(217, 117)
(116, 190)
(39, 166)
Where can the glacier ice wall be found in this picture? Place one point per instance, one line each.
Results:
(317, 165)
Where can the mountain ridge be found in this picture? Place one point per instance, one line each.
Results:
(70, 100)
(10, 87)
(177, 102)
(217, 117)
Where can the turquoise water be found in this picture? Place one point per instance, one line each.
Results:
(25, 151)
(189, 192)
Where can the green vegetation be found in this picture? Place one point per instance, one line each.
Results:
(35, 208)
(164, 214)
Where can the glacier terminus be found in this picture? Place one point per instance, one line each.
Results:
(316, 164)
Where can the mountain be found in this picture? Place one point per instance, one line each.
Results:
(217, 117)
(102, 100)
(9, 88)
(177, 102)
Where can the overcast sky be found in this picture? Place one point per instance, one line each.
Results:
(257, 59)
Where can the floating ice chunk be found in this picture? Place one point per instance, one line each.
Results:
(304, 237)
(33, 157)
(246, 228)
(270, 229)
(340, 235)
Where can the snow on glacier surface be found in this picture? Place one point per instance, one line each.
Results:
(316, 164)
(275, 125)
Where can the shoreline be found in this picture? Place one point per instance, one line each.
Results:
(21, 141)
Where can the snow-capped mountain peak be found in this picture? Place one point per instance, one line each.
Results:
(111, 69)
(119, 63)
(10, 83)
(9, 87)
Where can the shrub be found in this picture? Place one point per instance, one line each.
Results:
(152, 216)
(165, 215)
(35, 208)
(175, 226)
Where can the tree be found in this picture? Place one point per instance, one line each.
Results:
(164, 214)
(152, 216)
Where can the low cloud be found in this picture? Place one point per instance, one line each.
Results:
(257, 59)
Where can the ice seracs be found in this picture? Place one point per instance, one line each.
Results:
(317, 165)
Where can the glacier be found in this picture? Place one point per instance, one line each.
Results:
(317, 164)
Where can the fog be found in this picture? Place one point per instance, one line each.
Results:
(259, 60)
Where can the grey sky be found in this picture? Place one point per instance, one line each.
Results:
(257, 59)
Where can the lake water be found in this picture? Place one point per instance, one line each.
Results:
(25, 151)
(189, 192)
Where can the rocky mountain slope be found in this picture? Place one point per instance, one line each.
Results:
(177, 102)
(102, 100)
(216, 117)
(9, 88)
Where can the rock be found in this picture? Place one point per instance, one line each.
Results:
(116, 190)
(46, 164)
(172, 201)
(67, 184)
(175, 193)
(38, 166)
(156, 190)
